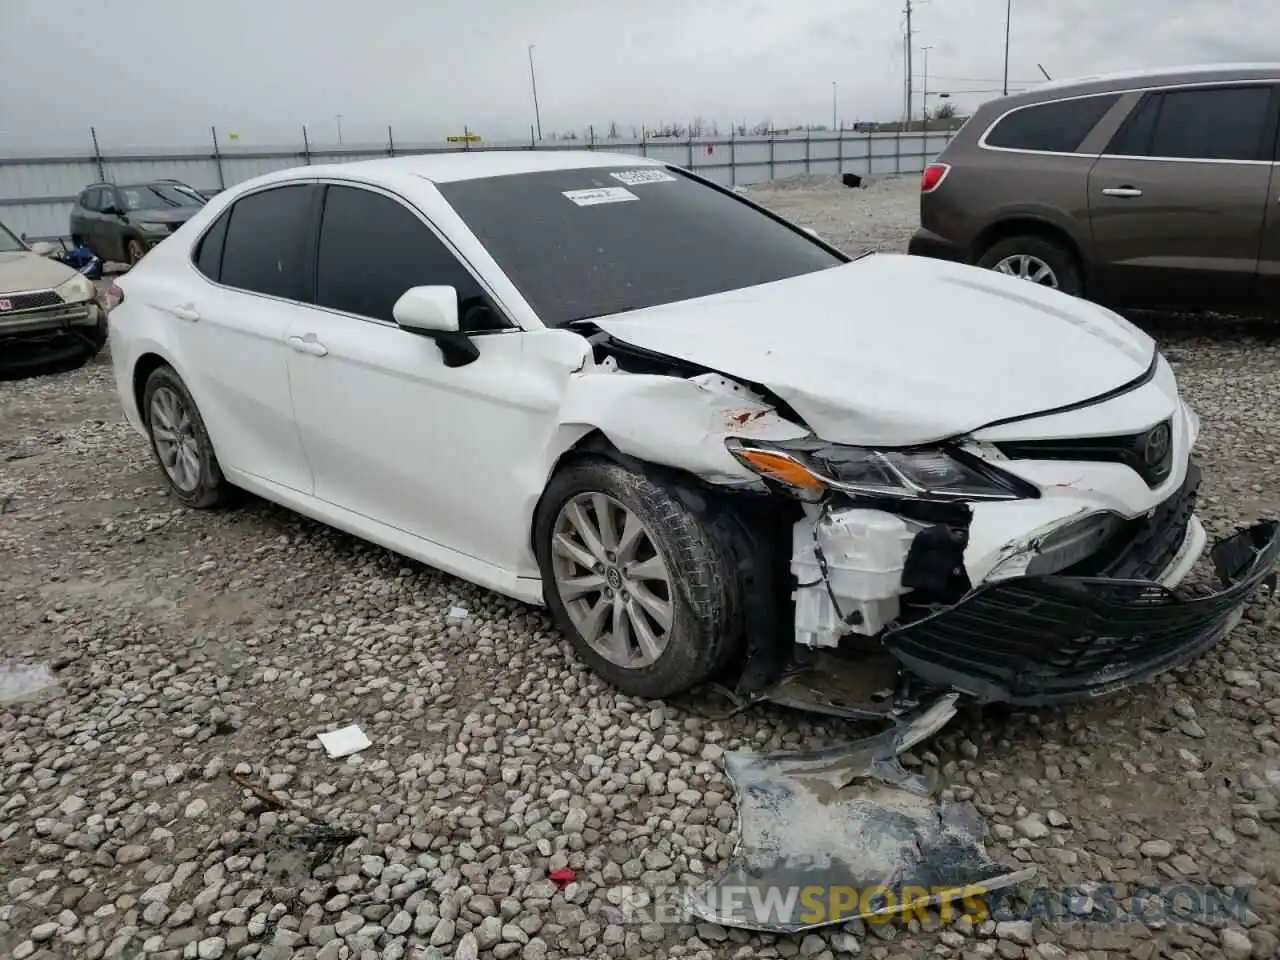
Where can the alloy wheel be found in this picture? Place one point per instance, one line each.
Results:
(612, 580)
(1024, 266)
(135, 251)
(173, 432)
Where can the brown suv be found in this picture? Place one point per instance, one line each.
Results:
(1154, 189)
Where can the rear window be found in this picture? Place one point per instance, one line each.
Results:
(1058, 127)
(588, 243)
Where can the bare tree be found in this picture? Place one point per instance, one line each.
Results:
(613, 130)
(715, 128)
(696, 127)
(740, 130)
(944, 111)
(635, 134)
(762, 129)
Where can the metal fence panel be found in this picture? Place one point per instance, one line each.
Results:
(36, 192)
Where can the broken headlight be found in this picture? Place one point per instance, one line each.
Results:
(811, 467)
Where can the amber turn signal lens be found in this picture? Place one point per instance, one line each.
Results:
(782, 468)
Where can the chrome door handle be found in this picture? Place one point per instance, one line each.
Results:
(309, 345)
(1122, 192)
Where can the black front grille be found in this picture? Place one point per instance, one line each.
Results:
(1144, 548)
(1055, 639)
(1149, 454)
(30, 301)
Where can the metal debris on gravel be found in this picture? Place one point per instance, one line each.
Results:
(188, 646)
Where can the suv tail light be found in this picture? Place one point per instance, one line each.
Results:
(933, 176)
(114, 297)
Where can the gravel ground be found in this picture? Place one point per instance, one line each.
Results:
(196, 655)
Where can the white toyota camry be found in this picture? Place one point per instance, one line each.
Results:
(712, 444)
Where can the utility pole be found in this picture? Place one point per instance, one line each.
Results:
(910, 46)
(533, 82)
(338, 119)
(924, 94)
(1008, 19)
(835, 105)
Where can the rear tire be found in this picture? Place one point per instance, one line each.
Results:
(1026, 253)
(661, 547)
(180, 442)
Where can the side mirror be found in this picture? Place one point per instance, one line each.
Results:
(43, 248)
(428, 310)
(433, 312)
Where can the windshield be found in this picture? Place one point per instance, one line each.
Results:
(159, 196)
(9, 243)
(588, 243)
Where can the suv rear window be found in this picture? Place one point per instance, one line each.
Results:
(1058, 127)
(596, 241)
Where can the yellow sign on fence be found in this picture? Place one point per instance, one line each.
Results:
(465, 138)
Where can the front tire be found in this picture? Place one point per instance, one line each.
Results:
(134, 251)
(1037, 260)
(630, 575)
(180, 441)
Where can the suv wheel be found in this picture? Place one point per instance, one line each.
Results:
(1036, 260)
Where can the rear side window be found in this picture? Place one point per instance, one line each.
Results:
(1058, 127)
(93, 199)
(208, 258)
(263, 250)
(373, 248)
(1225, 124)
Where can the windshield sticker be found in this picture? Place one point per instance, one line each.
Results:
(589, 198)
(633, 177)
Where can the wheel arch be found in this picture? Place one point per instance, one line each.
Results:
(1029, 224)
(146, 364)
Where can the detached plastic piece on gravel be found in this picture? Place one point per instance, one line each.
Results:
(847, 832)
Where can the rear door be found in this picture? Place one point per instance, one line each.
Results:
(1177, 200)
(255, 258)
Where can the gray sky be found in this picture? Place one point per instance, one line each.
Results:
(160, 72)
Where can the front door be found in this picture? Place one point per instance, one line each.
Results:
(453, 455)
(1176, 202)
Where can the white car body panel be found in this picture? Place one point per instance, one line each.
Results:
(378, 437)
(863, 352)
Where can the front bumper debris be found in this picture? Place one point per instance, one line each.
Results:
(1040, 640)
(847, 832)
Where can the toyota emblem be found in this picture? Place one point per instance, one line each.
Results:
(1157, 448)
(6, 304)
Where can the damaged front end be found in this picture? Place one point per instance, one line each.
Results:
(1079, 609)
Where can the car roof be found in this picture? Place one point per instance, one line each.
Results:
(1152, 77)
(464, 165)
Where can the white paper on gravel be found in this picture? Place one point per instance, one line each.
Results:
(344, 742)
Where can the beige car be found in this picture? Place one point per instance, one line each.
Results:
(1148, 190)
(50, 317)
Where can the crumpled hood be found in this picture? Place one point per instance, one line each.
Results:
(892, 350)
(27, 271)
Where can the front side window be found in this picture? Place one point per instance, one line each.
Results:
(592, 242)
(263, 250)
(373, 248)
(1058, 127)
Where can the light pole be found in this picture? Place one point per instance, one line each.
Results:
(533, 82)
(835, 106)
(338, 120)
(1008, 18)
(924, 94)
